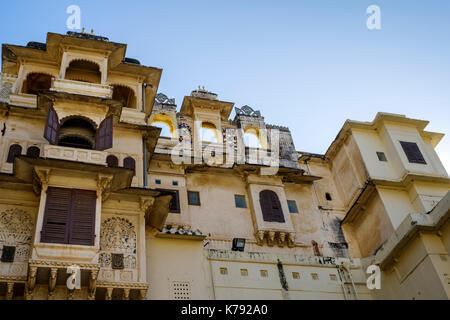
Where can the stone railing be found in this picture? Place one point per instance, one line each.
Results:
(75, 154)
(23, 100)
(82, 88)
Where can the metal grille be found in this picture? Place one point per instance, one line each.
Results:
(181, 290)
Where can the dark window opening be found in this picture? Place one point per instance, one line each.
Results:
(292, 205)
(82, 70)
(14, 150)
(117, 261)
(193, 198)
(175, 183)
(112, 161)
(240, 201)
(8, 254)
(328, 197)
(157, 181)
(174, 206)
(130, 163)
(36, 82)
(33, 152)
(316, 248)
(77, 133)
(271, 206)
(412, 152)
(381, 156)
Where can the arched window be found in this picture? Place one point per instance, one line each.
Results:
(36, 82)
(125, 95)
(165, 129)
(112, 161)
(208, 132)
(14, 150)
(271, 206)
(77, 132)
(130, 163)
(82, 70)
(33, 151)
(251, 138)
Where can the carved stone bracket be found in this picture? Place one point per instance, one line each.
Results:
(40, 179)
(142, 293)
(109, 293)
(92, 284)
(146, 203)
(52, 282)
(126, 294)
(104, 186)
(29, 290)
(272, 237)
(9, 290)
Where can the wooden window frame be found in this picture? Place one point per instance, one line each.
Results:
(198, 197)
(271, 208)
(412, 152)
(289, 207)
(78, 219)
(236, 196)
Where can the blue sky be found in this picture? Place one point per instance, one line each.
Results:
(308, 65)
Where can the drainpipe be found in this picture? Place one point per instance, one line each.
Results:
(144, 139)
(144, 143)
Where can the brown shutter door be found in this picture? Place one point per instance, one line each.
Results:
(277, 211)
(271, 206)
(104, 138)
(56, 216)
(130, 163)
(82, 222)
(412, 152)
(52, 126)
(264, 200)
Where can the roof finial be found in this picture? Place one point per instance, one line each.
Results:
(92, 31)
(84, 30)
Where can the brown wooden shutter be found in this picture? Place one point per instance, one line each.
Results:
(52, 126)
(104, 138)
(82, 219)
(14, 150)
(271, 206)
(412, 152)
(56, 216)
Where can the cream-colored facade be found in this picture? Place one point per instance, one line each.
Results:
(101, 173)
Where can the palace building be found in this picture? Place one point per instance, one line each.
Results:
(106, 181)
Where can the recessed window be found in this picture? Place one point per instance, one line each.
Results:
(33, 152)
(69, 217)
(314, 276)
(328, 197)
(244, 272)
(295, 275)
(8, 254)
(157, 181)
(174, 206)
(333, 277)
(264, 273)
(14, 150)
(193, 198)
(117, 261)
(240, 201)
(381, 156)
(223, 271)
(175, 183)
(130, 163)
(292, 206)
(271, 206)
(412, 152)
(112, 161)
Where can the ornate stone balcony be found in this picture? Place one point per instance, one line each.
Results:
(74, 154)
(83, 88)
